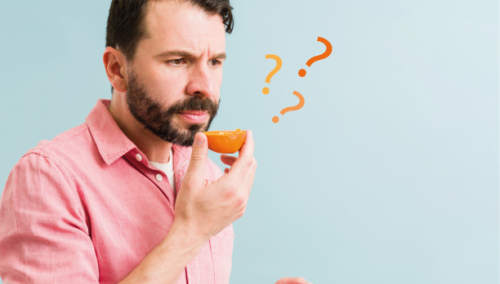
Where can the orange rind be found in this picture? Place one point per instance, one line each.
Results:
(225, 142)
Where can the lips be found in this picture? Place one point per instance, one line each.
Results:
(194, 116)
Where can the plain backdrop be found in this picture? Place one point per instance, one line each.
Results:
(388, 174)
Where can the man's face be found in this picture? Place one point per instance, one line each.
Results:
(173, 83)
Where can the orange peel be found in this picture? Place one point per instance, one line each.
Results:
(225, 142)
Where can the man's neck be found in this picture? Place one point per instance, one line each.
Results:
(155, 149)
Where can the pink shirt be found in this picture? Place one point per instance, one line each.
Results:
(87, 207)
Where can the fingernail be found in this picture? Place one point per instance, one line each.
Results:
(198, 140)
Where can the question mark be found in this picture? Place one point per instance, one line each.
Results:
(279, 63)
(292, 108)
(327, 53)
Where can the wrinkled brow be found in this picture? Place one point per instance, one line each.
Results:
(182, 53)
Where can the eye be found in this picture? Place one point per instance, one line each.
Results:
(178, 61)
(215, 62)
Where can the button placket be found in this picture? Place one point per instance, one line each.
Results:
(151, 174)
(159, 177)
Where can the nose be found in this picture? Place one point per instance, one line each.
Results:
(202, 82)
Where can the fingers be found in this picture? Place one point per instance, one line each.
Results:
(245, 160)
(248, 145)
(228, 160)
(196, 170)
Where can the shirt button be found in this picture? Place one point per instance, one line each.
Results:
(138, 157)
(159, 177)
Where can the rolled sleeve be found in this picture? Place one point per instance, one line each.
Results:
(44, 232)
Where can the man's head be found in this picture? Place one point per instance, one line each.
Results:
(168, 58)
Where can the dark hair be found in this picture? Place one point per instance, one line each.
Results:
(126, 21)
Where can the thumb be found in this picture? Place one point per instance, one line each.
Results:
(196, 171)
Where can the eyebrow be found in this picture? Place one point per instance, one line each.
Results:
(183, 53)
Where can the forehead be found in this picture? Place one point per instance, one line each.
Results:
(174, 24)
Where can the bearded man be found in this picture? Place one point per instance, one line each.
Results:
(130, 196)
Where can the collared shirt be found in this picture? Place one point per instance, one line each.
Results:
(168, 169)
(87, 207)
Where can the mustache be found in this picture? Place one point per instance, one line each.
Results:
(195, 104)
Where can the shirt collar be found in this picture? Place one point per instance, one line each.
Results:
(182, 156)
(112, 143)
(109, 138)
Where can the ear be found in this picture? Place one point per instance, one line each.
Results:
(115, 66)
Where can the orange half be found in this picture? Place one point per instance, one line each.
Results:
(225, 142)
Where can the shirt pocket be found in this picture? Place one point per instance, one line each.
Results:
(221, 246)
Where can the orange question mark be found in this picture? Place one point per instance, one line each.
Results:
(292, 108)
(279, 63)
(327, 53)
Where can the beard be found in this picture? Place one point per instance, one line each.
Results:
(154, 118)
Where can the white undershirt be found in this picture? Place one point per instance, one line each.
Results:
(168, 169)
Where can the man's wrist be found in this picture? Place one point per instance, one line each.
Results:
(165, 263)
(186, 239)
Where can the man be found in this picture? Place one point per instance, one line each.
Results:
(130, 195)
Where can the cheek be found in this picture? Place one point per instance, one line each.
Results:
(167, 88)
(218, 81)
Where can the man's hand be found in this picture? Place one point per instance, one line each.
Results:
(204, 207)
(290, 280)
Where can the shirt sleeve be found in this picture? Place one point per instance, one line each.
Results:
(44, 233)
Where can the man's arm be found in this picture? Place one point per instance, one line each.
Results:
(44, 235)
(167, 261)
(203, 208)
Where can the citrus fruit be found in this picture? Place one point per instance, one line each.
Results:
(225, 142)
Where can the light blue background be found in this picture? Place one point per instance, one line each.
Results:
(388, 174)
